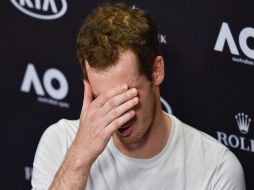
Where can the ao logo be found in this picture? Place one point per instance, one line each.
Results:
(225, 35)
(31, 78)
(42, 9)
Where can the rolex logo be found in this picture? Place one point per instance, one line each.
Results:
(237, 141)
(243, 122)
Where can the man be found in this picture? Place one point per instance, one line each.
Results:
(123, 139)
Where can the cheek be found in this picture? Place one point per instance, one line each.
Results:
(146, 104)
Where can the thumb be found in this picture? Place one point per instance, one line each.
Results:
(88, 95)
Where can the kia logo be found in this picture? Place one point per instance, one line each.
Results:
(42, 9)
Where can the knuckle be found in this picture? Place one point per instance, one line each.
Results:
(108, 94)
(92, 116)
(114, 114)
(112, 103)
(105, 96)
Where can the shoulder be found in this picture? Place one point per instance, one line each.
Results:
(63, 130)
(51, 151)
(229, 173)
(211, 156)
(196, 139)
(57, 138)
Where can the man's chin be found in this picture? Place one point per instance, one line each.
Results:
(129, 137)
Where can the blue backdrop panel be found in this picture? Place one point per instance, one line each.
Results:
(208, 48)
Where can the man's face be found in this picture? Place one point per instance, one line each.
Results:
(126, 72)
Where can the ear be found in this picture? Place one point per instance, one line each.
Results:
(158, 70)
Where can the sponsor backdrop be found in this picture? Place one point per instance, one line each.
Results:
(208, 47)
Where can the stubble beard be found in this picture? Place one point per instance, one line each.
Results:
(142, 129)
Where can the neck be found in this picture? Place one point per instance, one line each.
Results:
(153, 142)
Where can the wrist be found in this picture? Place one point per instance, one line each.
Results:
(80, 159)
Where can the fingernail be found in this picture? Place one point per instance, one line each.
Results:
(135, 100)
(132, 113)
(134, 91)
(124, 87)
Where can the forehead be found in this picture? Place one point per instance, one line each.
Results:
(125, 71)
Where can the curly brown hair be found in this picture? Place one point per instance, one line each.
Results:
(110, 30)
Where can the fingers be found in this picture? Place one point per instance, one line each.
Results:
(103, 98)
(88, 95)
(119, 122)
(120, 110)
(118, 100)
